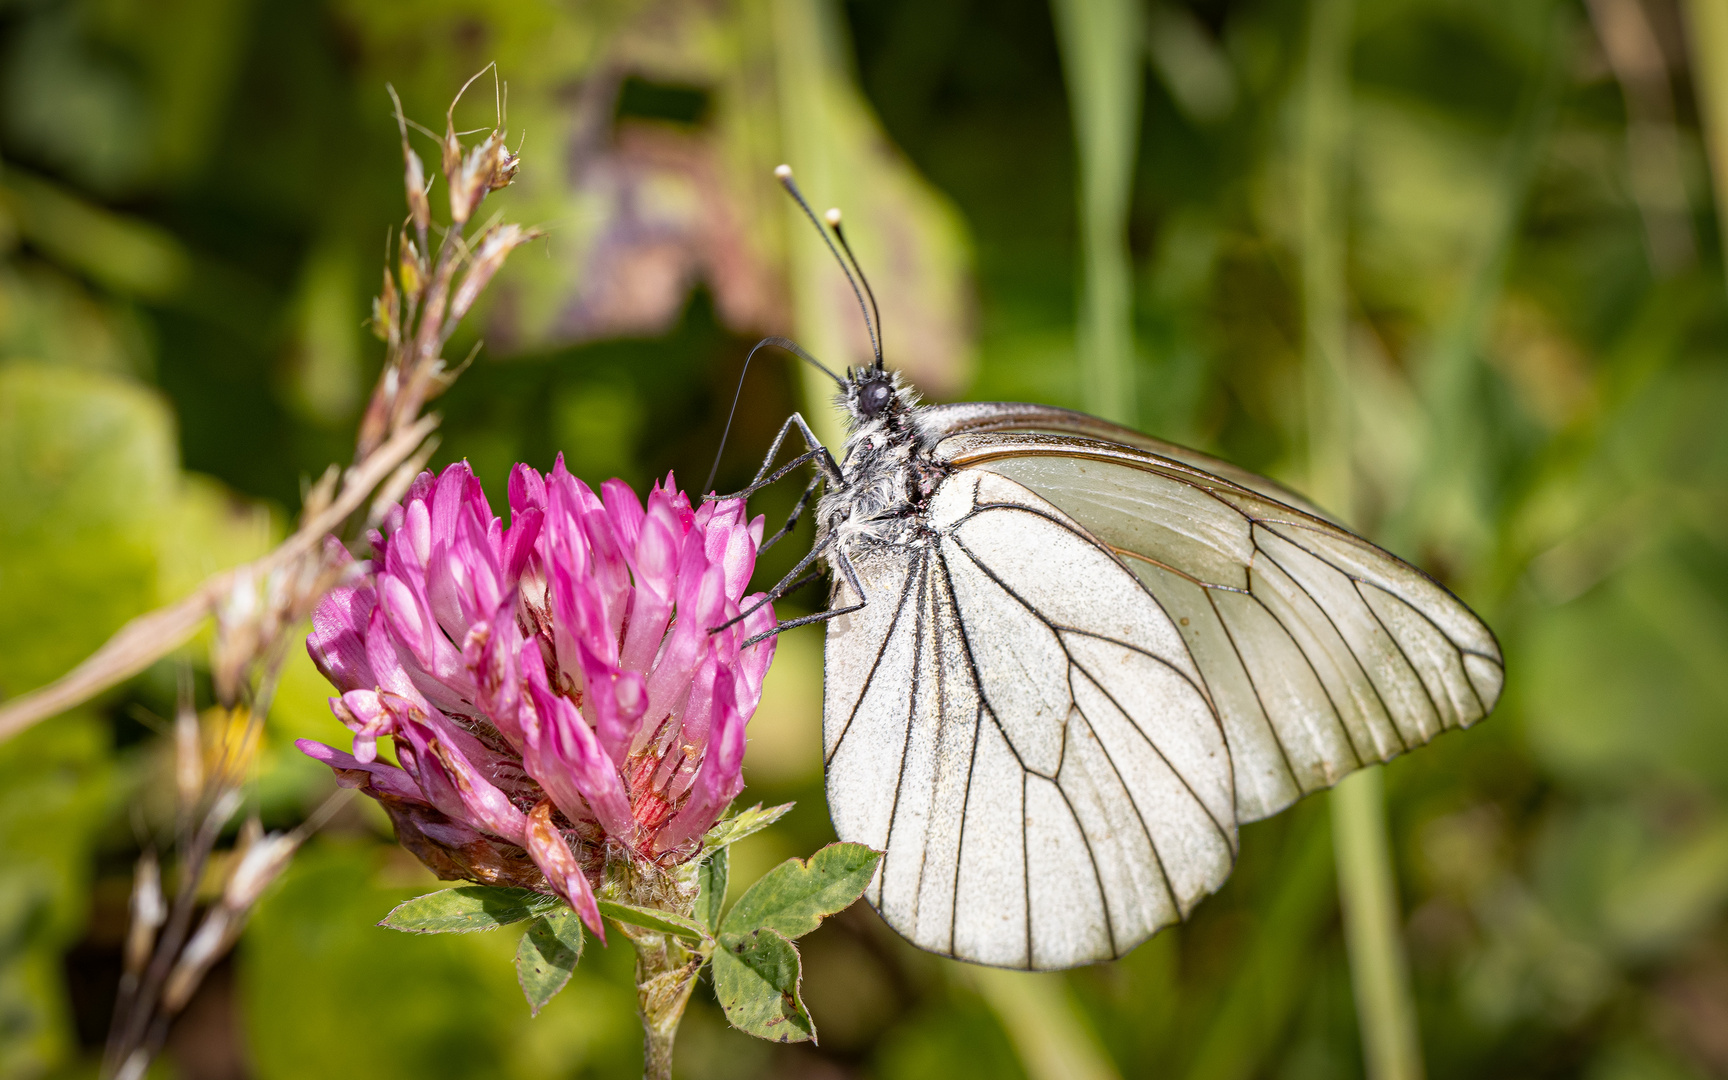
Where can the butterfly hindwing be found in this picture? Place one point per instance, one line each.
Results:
(1030, 741)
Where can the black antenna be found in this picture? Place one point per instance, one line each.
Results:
(784, 174)
(779, 343)
(832, 217)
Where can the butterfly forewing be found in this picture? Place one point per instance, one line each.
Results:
(1319, 651)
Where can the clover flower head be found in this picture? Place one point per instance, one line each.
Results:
(556, 692)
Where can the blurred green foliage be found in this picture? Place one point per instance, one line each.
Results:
(192, 200)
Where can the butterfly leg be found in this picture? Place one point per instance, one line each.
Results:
(797, 512)
(814, 452)
(844, 565)
(781, 587)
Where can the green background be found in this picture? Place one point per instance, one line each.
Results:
(194, 196)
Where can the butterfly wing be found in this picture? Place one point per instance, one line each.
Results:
(1319, 651)
(1020, 726)
(939, 422)
(1108, 651)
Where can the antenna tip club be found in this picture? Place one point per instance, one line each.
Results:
(832, 217)
(783, 173)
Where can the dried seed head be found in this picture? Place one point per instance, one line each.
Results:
(504, 170)
(495, 246)
(410, 269)
(214, 936)
(188, 756)
(474, 179)
(260, 864)
(149, 912)
(419, 208)
(386, 310)
(452, 146)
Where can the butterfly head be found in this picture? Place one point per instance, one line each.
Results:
(871, 393)
(874, 397)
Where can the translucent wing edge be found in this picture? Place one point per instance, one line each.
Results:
(946, 423)
(1479, 663)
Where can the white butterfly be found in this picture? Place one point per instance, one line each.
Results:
(1066, 660)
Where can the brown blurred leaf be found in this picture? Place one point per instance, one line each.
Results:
(645, 203)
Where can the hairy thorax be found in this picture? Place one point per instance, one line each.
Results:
(890, 476)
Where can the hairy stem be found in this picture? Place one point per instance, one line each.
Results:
(665, 975)
(666, 969)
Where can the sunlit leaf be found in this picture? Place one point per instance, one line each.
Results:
(743, 823)
(547, 955)
(711, 899)
(756, 978)
(665, 922)
(793, 898)
(467, 908)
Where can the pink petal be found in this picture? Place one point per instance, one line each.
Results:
(753, 661)
(421, 488)
(669, 682)
(490, 652)
(387, 779)
(729, 544)
(625, 510)
(409, 619)
(450, 780)
(546, 846)
(656, 570)
(385, 661)
(416, 531)
(457, 493)
(615, 699)
(719, 780)
(337, 642)
(563, 755)
(527, 489)
(364, 715)
(519, 542)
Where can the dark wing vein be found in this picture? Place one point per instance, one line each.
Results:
(1248, 673)
(1304, 522)
(1140, 815)
(1349, 648)
(984, 707)
(1337, 713)
(1097, 874)
(1083, 535)
(991, 574)
(911, 717)
(965, 803)
(1439, 716)
(864, 687)
(1481, 705)
(1025, 841)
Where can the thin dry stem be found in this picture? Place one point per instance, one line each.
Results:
(260, 606)
(151, 636)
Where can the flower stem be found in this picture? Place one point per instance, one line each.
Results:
(665, 969)
(665, 975)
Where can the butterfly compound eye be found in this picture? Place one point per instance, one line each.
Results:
(873, 398)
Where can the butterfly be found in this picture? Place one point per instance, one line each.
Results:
(1065, 661)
